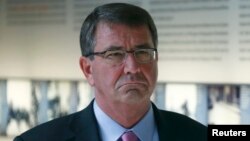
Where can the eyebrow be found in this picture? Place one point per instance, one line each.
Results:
(114, 48)
(143, 46)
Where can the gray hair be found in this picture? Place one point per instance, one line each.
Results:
(118, 13)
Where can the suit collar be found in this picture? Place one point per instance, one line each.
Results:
(84, 126)
(163, 126)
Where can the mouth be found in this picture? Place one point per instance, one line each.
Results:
(132, 81)
(133, 85)
(133, 89)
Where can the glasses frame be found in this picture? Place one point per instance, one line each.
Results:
(101, 54)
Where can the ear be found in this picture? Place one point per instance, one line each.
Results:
(86, 68)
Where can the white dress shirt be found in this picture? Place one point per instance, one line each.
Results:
(110, 130)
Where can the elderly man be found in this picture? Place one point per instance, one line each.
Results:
(119, 60)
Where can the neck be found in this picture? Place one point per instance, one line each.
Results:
(127, 115)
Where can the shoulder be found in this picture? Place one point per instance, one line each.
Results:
(51, 130)
(64, 128)
(176, 126)
(179, 119)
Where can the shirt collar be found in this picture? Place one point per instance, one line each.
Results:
(111, 130)
(145, 128)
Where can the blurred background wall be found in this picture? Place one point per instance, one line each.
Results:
(204, 60)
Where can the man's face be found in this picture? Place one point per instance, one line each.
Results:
(127, 83)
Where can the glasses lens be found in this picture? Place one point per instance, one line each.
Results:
(114, 56)
(144, 55)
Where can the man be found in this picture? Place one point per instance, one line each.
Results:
(119, 60)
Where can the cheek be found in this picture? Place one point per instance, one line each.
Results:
(151, 73)
(105, 76)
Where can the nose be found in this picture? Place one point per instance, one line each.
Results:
(130, 65)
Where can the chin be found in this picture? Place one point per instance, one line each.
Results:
(135, 96)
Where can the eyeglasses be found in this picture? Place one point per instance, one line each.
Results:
(117, 56)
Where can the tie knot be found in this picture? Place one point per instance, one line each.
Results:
(129, 136)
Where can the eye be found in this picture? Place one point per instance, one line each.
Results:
(143, 53)
(114, 54)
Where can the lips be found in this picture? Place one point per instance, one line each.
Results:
(132, 80)
(133, 85)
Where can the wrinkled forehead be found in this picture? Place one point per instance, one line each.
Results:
(113, 25)
(120, 35)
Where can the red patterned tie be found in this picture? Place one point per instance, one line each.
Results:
(129, 136)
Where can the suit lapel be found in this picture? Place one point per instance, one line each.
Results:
(164, 128)
(84, 126)
(172, 126)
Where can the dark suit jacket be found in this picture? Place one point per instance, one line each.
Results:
(82, 126)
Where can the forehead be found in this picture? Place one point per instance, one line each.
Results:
(120, 35)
